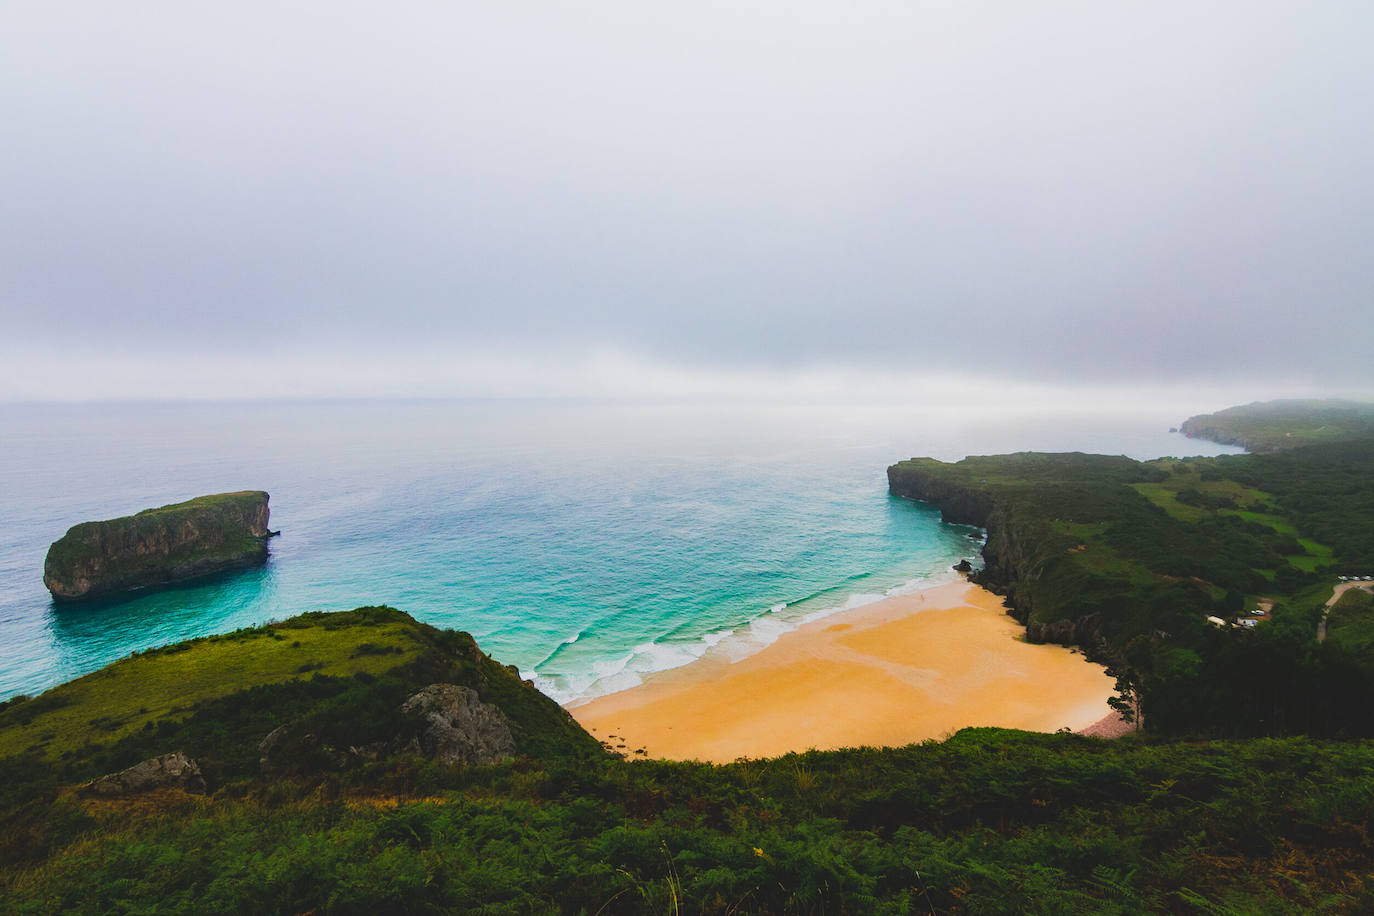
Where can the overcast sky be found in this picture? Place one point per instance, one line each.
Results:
(282, 198)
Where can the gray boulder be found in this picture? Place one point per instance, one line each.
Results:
(270, 747)
(450, 724)
(174, 770)
(281, 747)
(460, 728)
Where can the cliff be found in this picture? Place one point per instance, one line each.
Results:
(1024, 558)
(920, 478)
(1013, 558)
(173, 543)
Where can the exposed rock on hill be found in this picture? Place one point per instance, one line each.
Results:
(200, 537)
(446, 722)
(170, 770)
(460, 727)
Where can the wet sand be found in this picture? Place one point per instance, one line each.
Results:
(905, 669)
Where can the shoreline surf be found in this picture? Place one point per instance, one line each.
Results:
(652, 657)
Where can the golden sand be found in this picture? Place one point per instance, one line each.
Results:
(904, 669)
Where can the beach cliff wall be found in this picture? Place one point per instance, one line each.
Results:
(1014, 554)
(169, 544)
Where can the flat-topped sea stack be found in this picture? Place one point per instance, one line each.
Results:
(200, 537)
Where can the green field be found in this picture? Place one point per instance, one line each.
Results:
(1351, 622)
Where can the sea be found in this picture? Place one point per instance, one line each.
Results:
(588, 543)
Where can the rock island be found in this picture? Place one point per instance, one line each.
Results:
(200, 537)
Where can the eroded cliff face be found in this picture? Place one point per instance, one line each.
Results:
(1017, 563)
(958, 505)
(173, 543)
(1014, 556)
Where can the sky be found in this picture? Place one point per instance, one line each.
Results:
(633, 199)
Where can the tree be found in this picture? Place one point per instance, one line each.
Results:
(1127, 699)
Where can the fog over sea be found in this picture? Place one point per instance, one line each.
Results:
(587, 543)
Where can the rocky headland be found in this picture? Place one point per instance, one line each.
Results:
(200, 537)
(1277, 426)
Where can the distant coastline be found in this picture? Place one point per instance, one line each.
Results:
(1276, 426)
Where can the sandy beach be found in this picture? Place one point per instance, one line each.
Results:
(904, 669)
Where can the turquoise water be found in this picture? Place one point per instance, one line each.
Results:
(586, 543)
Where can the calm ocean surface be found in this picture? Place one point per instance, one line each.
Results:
(587, 543)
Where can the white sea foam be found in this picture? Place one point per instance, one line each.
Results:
(631, 668)
(764, 631)
(714, 639)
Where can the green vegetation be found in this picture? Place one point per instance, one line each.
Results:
(989, 821)
(163, 683)
(1350, 625)
(1128, 559)
(1274, 426)
(186, 696)
(238, 501)
(216, 699)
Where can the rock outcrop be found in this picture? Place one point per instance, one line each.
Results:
(445, 722)
(285, 749)
(460, 728)
(174, 770)
(201, 537)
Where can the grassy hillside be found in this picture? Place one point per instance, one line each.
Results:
(1273, 426)
(989, 821)
(164, 685)
(337, 679)
(255, 679)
